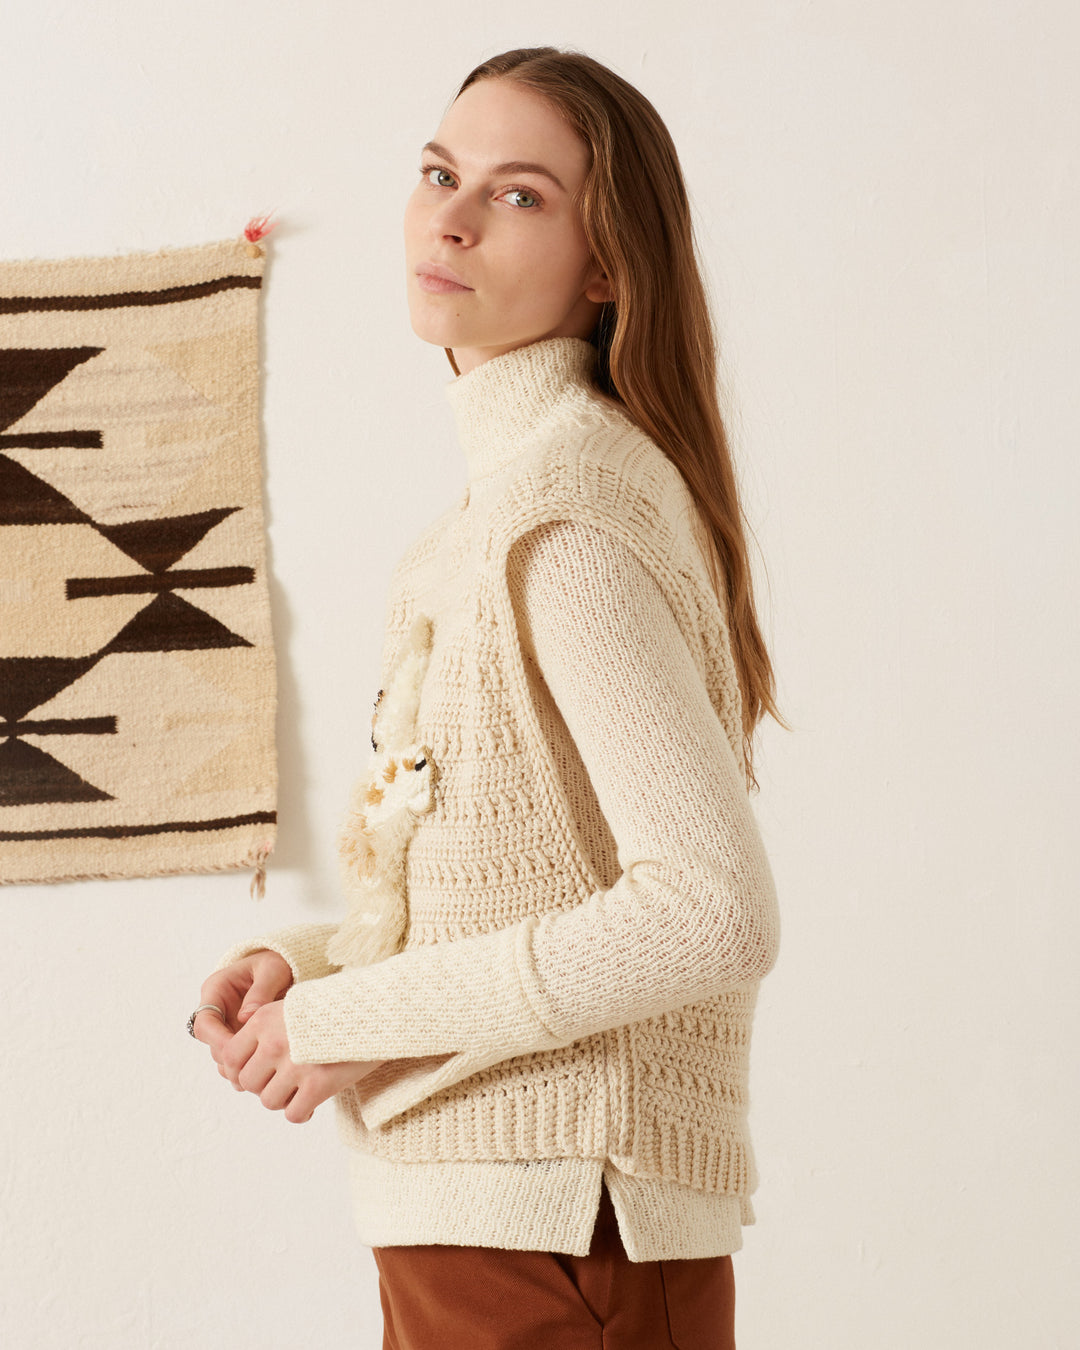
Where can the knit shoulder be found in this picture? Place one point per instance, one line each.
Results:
(595, 431)
(599, 467)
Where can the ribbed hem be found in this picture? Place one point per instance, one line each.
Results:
(549, 1106)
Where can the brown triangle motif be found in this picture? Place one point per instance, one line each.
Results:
(26, 499)
(170, 623)
(157, 544)
(28, 373)
(28, 681)
(29, 777)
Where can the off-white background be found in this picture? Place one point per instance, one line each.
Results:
(886, 198)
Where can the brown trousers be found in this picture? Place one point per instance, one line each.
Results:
(440, 1297)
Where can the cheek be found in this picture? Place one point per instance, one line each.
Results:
(414, 216)
(548, 259)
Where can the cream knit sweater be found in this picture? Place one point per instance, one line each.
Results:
(585, 905)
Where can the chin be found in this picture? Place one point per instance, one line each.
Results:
(439, 329)
(437, 339)
(439, 335)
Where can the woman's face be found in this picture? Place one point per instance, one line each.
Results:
(512, 234)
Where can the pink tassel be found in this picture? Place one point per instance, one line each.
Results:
(258, 227)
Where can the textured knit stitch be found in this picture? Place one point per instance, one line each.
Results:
(585, 933)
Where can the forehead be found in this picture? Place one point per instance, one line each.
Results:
(495, 121)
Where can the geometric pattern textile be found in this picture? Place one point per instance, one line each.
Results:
(137, 676)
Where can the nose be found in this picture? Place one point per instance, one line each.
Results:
(456, 219)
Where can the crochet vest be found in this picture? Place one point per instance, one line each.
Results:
(491, 836)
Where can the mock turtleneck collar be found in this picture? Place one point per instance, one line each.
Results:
(503, 404)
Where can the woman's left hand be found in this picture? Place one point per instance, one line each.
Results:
(256, 1059)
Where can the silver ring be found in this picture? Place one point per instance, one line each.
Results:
(203, 1007)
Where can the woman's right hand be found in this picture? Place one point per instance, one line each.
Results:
(240, 990)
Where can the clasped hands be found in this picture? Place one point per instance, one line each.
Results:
(251, 1046)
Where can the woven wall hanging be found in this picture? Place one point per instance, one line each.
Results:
(137, 680)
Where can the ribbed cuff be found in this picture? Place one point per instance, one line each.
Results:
(303, 945)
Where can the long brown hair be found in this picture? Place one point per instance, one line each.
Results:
(656, 341)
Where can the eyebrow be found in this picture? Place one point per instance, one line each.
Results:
(511, 166)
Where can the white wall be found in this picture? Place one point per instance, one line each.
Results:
(887, 204)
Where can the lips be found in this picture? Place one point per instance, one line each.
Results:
(444, 273)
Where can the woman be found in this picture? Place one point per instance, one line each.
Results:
(536, 1016)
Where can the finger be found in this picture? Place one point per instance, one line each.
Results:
(256, 1074)
(278, 1093)
(318, 1083)
(222, 989)
(211, 1030)
(269, 983)
(236, 1053)
(301, 1106)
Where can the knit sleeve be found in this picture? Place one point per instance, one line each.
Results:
(693, 913)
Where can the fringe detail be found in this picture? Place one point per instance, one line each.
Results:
(258, 882)
(384, 806)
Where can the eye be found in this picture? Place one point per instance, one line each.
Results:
(523, 192)
(428, 169)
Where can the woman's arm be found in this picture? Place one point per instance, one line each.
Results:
(694, 911)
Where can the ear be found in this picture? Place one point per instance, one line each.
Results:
(599, 288)
(599, 291)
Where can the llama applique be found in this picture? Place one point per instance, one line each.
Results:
(384, 807)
